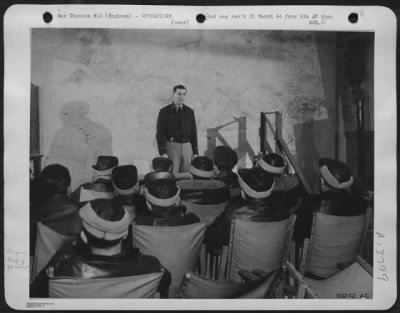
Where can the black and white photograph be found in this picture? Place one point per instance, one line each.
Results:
(192, 163)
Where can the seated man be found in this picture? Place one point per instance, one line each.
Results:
(53, 207)
(163, 164)
(163, 203)
(336, 197)
(203, 189)
(257, 205)
(101, 185)
(127, 193)
(100, 251)
(225, 159)
(287, 188)
(126, 189)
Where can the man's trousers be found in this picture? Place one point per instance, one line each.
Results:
(181, 156)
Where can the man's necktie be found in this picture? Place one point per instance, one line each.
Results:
(180, 131)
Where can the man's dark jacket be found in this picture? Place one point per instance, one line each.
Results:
(168, 128)
(76, 260)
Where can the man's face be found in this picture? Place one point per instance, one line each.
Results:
(179, 96)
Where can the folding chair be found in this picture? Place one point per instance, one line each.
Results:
(48, 242)
(212, 263)
(138, 286)
(367, 242)
(198, 287)
(296, 287)
(258, 245)
(355, 281)
(334, 240)
(205, 198)
(176, 247)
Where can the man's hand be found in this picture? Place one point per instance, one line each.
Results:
(194, 156)
(164, 155)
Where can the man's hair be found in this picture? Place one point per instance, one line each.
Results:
(274, 159)
(109, 210)
(162, 188)
(161, 164)
(53, 180)
(179, 87)
(124, 176)
(203, 163)
(337, 168)
(257, 179)
(225, 158)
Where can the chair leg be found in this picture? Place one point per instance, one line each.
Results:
(217, 265)
(208, 274)
(223, 263)
(203, 260)
(301, 291)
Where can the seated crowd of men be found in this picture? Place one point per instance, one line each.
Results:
(100, 213)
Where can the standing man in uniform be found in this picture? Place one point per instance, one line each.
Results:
(176, 132)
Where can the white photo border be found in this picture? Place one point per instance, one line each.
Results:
(18, 22)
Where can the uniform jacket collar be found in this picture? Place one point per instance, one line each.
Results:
(172, 107)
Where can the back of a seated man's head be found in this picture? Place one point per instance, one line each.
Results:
(160, 164)
(125, 180)
(162, 189)
(225, 158)
(274, 160)
(257, 180)
(54, 180)
(272, 163)
(203, 167)
(338, 169)
(108, 211)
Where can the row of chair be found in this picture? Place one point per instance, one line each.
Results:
(258, 248)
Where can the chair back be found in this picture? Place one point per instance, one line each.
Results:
(48, 242)
(176, 247)
(354, 281)
(205, 198)
(199, 287)
(138, 286)
(333, 240)
(206, 212)
(259, 245)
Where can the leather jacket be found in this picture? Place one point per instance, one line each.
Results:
(76, 260)
(174, 216)
(228, 177)
(332, 202)
(204, 195)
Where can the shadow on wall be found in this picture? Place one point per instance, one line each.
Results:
(243, 147)
(78, 143)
